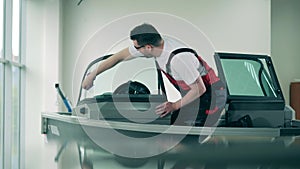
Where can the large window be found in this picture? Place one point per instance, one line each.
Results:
(11, 67)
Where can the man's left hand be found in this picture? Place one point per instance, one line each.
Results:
(165, 108)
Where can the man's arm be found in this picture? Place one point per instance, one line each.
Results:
(196, 90)
(105, 65)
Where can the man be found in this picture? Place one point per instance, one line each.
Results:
(183, 68)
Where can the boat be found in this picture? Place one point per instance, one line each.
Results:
(116, 117)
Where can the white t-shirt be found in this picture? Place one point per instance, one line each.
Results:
(184, 66)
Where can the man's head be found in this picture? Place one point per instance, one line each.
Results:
(146, 39)
(146, 34)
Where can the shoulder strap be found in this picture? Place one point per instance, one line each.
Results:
(160, 79)
(175, 52)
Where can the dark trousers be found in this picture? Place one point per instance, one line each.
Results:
(196, 112)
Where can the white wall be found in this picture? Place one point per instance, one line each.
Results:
(42, 71)
(285, 42)
(231, 25)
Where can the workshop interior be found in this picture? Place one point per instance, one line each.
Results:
(48, 48)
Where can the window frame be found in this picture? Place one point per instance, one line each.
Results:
(12, 154)
(243, 102)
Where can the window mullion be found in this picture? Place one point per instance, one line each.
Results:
(22, 82)
(8, 85)
(2, 116)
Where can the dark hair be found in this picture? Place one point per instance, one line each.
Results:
(145, 34)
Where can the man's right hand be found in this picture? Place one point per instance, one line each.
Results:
(88, 82)
(106, 64)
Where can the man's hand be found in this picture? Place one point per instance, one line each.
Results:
(88, 82)
(196, 90)
(165, 108)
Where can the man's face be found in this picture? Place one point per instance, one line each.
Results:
(146, 50)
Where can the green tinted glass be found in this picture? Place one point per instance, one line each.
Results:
(246, 77)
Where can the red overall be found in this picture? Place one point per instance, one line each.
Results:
(211, 101)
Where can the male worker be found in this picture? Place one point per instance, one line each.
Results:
(189, 73)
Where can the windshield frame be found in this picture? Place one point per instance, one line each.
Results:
(247, 100)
